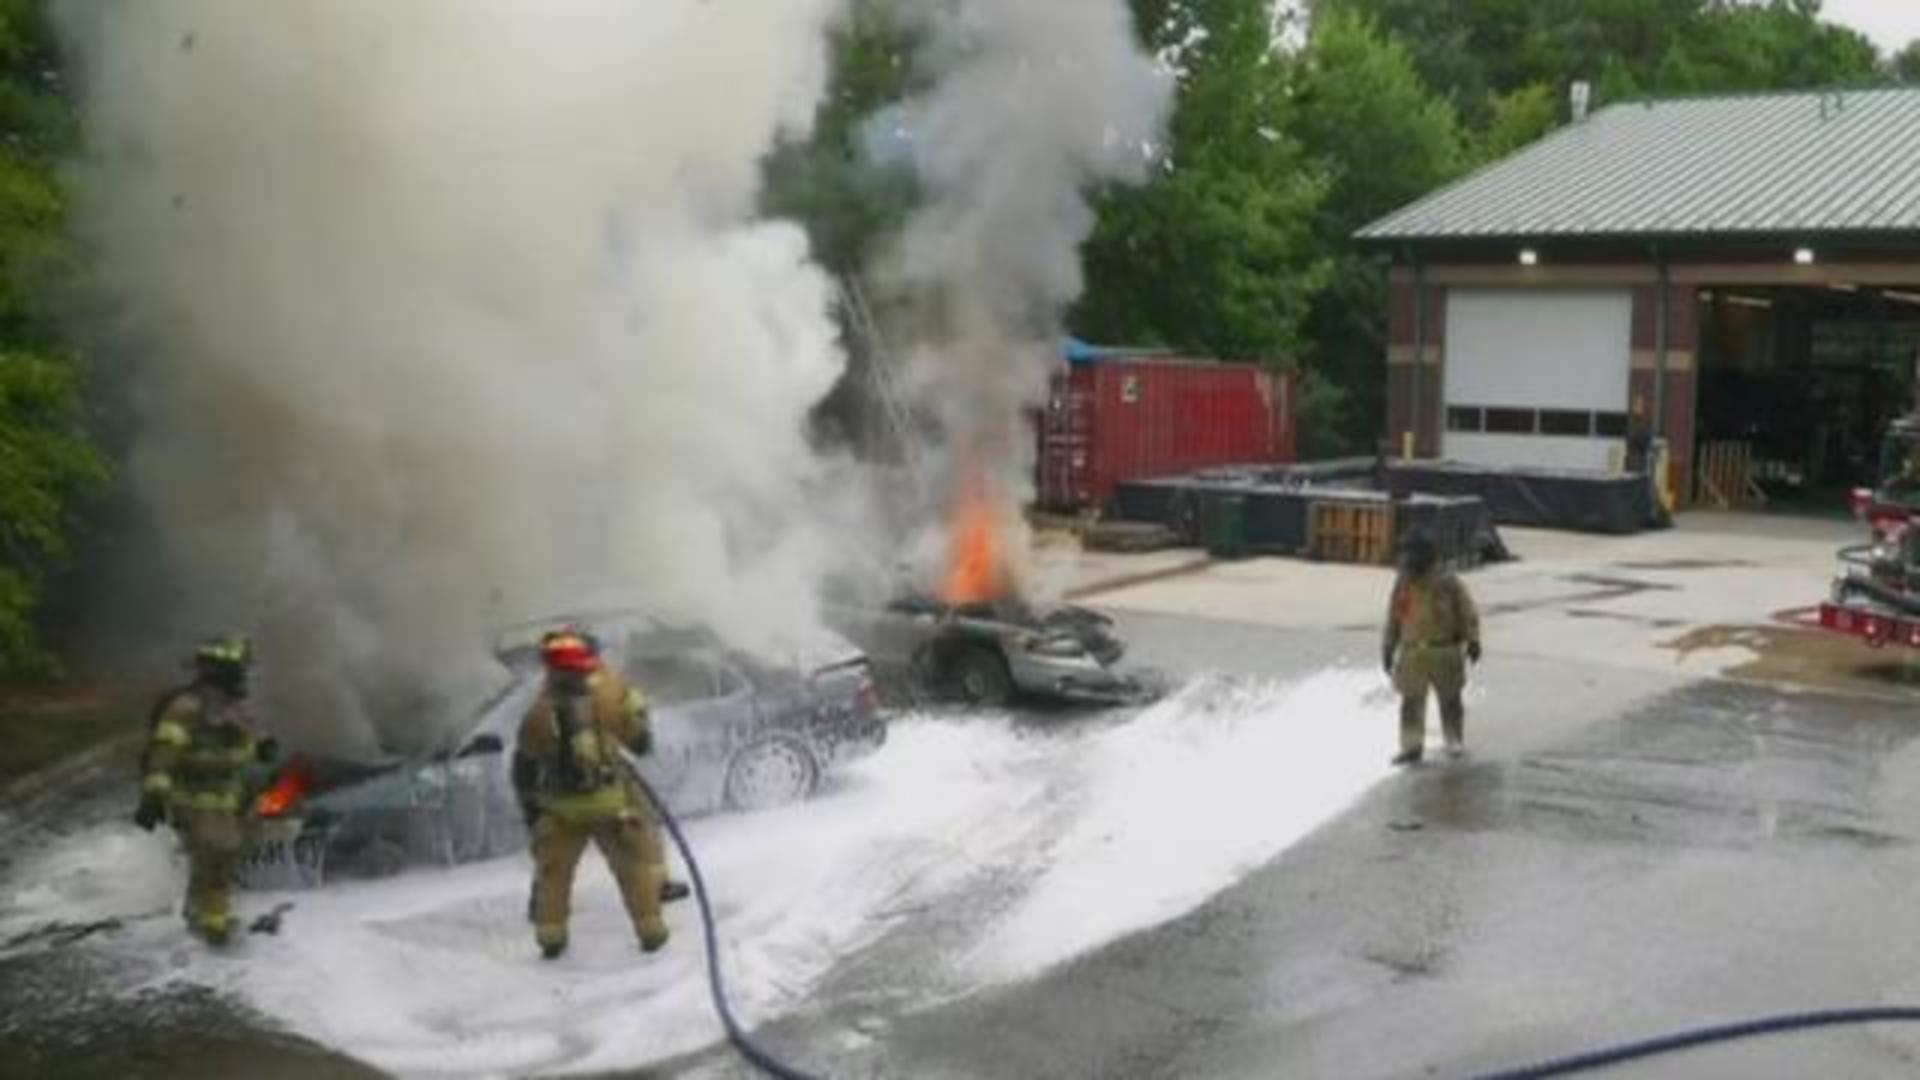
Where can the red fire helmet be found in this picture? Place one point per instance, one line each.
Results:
(568, 650)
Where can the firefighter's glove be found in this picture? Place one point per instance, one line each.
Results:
(150, 813)
(1473, 652)
(267, 750)
(1386, 659)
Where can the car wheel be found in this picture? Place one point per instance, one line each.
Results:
(980, 677)
(770, 771)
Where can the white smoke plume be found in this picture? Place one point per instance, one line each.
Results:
(1032, 105)
(456, 312)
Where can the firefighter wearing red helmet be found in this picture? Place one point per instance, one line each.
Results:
(575, 788)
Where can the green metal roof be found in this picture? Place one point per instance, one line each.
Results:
(1776, 164)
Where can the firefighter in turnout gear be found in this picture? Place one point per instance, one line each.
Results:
(575, 788)
(194, 775)
(1433, 632)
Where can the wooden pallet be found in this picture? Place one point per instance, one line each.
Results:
(1351, 532)
(1725, 478)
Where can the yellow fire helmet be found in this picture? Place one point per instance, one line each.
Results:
(233, 651)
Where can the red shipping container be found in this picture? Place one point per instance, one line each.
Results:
(1127, 419)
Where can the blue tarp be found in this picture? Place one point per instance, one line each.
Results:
(1083, 352)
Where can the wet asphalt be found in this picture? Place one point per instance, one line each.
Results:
(1624, 852)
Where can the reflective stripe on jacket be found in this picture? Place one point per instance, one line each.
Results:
(198, 753)
(581, 778)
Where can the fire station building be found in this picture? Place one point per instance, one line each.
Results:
(1736, 279)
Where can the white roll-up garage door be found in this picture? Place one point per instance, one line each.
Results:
(1537, 377)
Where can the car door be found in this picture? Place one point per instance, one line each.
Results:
(701, 707)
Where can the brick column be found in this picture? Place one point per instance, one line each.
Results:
(1683, 343)
(1409, 376)
(1433, 390)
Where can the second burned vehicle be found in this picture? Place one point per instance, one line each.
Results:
(991, 652)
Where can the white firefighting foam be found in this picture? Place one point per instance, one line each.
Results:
(110, 871)
(1194, 795)
(1097, 832)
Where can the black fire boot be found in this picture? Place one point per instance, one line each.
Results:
(1407, 757)
(554, 951)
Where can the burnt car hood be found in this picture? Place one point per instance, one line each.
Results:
(1091, 629)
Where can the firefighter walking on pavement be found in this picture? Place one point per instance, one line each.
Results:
(1432, 634)
(194, 775)
(574, 789)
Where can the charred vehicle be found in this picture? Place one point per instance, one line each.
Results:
(991, 652)
(732, 731)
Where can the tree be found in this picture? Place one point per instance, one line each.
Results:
(1382, 139)
(1522, 117)
(829, 183)
(1455, 44)
(1905, 65)
(48, 461)
(1779, 45)
(1216, 253)
(1215, 260)
(1475, 51)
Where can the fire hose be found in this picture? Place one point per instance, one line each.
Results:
(1687, 1040)
(756, 1054)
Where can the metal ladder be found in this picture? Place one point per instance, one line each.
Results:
(895, 419)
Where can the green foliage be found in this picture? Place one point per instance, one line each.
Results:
(1781, 45)
(1216, 261)
(1905, 65)
(48, 460)
(826, 182)
(1218, 252)
(1519, 118)
(1361, 110)
(1476, 51)
(1382, 139)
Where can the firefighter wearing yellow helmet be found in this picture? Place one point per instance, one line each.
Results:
(194, 775)
(574, 788)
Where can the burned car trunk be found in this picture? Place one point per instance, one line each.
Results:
(992, 652)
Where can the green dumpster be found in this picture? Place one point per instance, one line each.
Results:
(1223, 525)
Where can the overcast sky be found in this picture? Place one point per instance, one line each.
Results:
(1890, 23)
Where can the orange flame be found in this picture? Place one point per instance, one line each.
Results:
(976, 563)
(288, 788)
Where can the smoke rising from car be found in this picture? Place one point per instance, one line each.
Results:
(1030, 107)
(453, 312)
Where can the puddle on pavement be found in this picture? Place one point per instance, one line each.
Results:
(1595, 589)
(1714, 763)
(1598, 589)
(1793, 654)
(1626, 617)
(1686, 564)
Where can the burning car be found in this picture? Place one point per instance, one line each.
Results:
(990, 652)
(977, 640)
(732, 731)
